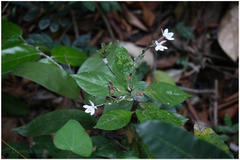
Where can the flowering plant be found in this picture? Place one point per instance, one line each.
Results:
(120, 103)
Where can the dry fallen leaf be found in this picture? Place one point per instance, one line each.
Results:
(136, 51)
(145, 41)
(148, 15)
(228, 33)
(133, 20)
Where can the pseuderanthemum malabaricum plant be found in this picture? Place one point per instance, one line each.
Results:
(108, 79)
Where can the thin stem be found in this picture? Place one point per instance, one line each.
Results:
(154, 65)
(105, 21)
(49, 58)
(14, 149)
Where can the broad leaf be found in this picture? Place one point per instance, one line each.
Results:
(89, 5)
(14, 53)
(22, 148)
(208, 135)
(95, 63)
(153, 112)
(44, 23)
(166, 93)
(51, 77)
(164, 140)
(50, 122)
(161, 76)
(97, 84)
(10, 30)
(73, 137)
(68, 55)
(114, 119)
(43, 143)
(119, 60)
(105, 148)
(14, 106)
(126, 105)
(54, 26)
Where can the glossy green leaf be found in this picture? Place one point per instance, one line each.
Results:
(89, 5)
(44, 23)
(105, 148)
(9, 43)
(43, 143)
(119, 60)
(124, 104)
(14, 53)
(66, 40)
(94, 63)
(68, 55)
(153, 112)
(164, 140)
(14, 106)
(166, 93)
(114, 119)
(22, 148)
(208, 135)
(82, 40)
(10, 30)
(73, 137)
(51, 77)
(50, 122)
(97, 83)
(54, 26)
(42, 40)
(31, 14)
(161, 76)
(116, 5)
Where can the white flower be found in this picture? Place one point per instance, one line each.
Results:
(90, 109)
(105, 60)
(159, 46)
(167, 35)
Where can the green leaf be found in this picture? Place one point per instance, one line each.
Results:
(119, 60)
(125, 105)
(208, 135)
(227, 120)
(185, 31)
(14, 106)
(68, 55)
(50, 122)
(97, 83)
(164, 140)
(166, 93)
(89, 5)
(94, 63)
(31, 14)
(10, 30)
(44, 23)
(106, 6)
(54, 26)
(43, 143)
(14, 53)
(22, 148)
(73, 137)
(161, 76)
(153, 112)
(66, 40)
(105, 148)
(9, 43)
(51, 77)
(116, 5)
(42, 40)
(114, 119)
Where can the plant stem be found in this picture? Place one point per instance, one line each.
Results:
(49, 58)
(154, 65)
